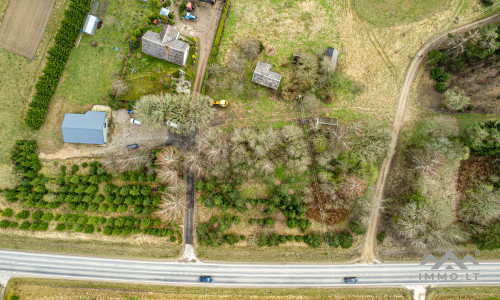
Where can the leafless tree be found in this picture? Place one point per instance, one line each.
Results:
(250, 48)
(173, 203)
(194, 163)
(458, 43)
(426, 160)
(119, 87)
(127, 160)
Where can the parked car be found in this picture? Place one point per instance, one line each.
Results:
(350, 279)
(205, 278)
(172, 124)
(132, 146)
(136, 122)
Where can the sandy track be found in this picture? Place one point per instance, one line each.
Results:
(367, 251)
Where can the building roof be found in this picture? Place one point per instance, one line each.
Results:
(333, 55)
(169, 33)
(178, 45)
(89, 120)
(88, 128)
(262, 68)
(90, 24)
(164, 11)
(264, 76)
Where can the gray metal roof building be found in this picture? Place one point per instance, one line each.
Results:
(165, 45)
(264, 76)
(90, 24)
(332, 56)
(88, 128)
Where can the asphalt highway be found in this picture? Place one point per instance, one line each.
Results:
(13, 263)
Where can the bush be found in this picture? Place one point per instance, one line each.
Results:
(483, 138)
(489, 239)
(441, 86)
(357, 227)
(261, 222)
(251, 221)
(298, 238)
(346, 240)
(456, 99)
(171, 22)
(231, 238)
(332, 239)
(8, 212)
(37, 216)
(381, 237)
(167, 3)
(182, 7)
(291, 223)
(58, 55)
(133, 43)
(173, 239)
(171, 15)
(487, 2)
(439, 75)
(313, 240)
(269, 222)
(242, 237)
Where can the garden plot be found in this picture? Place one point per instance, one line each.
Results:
(59, 199)
(24, 24)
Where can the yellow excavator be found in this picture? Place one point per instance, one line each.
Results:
(220, 103)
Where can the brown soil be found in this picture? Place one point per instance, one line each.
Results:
(472, 169)
(481, 82)
(331, 216)
(24, 24)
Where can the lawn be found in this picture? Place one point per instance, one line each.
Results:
(16, 89)
(393, 12)
(283, 27)
(92, 69)
(31, 288)
(469, 293)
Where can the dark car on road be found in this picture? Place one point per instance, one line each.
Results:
(132, 146)
(206, 279)
(350, 279)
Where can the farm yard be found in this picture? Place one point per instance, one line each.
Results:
(23, 35)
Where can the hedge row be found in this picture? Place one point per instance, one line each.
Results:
(217, 40)
(64, 42)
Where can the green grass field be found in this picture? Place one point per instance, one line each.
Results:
(393, 12)
(31, 288)
(469, 293)
(16, 87)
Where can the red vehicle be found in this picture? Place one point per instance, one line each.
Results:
(189, 6)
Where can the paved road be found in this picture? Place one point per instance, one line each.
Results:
(22, 263)
(368, 254)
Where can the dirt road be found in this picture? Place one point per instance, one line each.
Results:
(367, 251)
(204, 29)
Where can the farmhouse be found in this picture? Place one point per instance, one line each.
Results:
(90, 24)
(331, 56)
(165, 45)
(88, 128)
(264, 76)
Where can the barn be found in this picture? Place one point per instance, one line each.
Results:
(264, 76)
(88, 128)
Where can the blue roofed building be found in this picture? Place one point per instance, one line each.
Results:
(88, 128)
